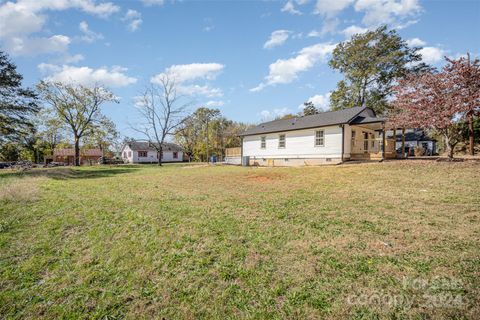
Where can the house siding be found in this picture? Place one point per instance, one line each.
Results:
(300, 147)
(151, 156)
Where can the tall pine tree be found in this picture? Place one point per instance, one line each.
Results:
(17, 104)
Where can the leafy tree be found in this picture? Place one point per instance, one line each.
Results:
(207, 132)
(287, 116)
(309, 108)
(51, 130)
(102, 135)
(77, 106)
(464, 75)
(371, 62)
(431, 101)
(10, 151)
(17, 104)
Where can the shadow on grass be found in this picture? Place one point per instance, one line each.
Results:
(70, 173)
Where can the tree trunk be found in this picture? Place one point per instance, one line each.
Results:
(208, 161)
(471, 135)
(449, 146)
(160, 152)
(77, 151)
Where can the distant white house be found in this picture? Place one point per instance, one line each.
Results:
(327, 137)
(144, 152)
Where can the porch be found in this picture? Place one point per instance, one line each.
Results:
(369, 142)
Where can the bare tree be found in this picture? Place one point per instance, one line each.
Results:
(77, 106)
(162, 111)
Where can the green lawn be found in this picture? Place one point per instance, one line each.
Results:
(367, 241)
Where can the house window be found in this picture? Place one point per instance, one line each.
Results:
(281, 141)
(354, 136)
(263, 142)
(319, 138)
(124, 154)
(142, 154)
(129, 154)
(175, 155)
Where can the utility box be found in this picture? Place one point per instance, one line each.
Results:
(245, 161)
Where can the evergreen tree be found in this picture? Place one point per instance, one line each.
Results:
(17, 104)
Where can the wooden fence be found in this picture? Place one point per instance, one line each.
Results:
(233, 152)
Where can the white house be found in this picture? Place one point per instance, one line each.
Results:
(327, 137)
(144, 152)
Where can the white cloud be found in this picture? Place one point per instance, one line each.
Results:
(199, 90)
(16, 20)
(330, 8)
(209, 26)
(416, 42)
(67, 59)
(314, 34)
(111, 77)
(329, 27)
(133, 19)
(432, 54)
(287, 70)
(289, 7)
(353, 30)
(379, 12)
(277, 38)
(186, 74)
(214, 103)
(268, 115)
(19, 20)
(193, 71)
(153, 2)
(88, 35)
(33, 46)
(320, 101)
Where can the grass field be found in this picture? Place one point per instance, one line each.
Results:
(368, 241)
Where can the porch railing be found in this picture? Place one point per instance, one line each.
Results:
(372, 146)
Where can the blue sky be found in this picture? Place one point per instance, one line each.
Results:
(251, 59)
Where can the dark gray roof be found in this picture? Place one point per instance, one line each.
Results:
(363, 120)
(416, 135)
(147, 146)
(317, 120)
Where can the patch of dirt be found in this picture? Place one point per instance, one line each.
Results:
(264, 178)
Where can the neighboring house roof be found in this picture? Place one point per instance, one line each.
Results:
(71, 152)
(416, 135)
(317, 120)
(147, 146)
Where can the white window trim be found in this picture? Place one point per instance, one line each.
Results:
(315, 139)
(262, 144)
(284, 141)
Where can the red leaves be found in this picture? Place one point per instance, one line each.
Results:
(437, 100)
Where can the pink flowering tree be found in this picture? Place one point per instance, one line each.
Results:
(438, 102)
(464, 75)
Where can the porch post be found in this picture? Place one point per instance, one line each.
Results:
(403, 142)
(384, 140)
(395, 141)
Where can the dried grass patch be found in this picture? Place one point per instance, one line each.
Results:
(20, 190)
